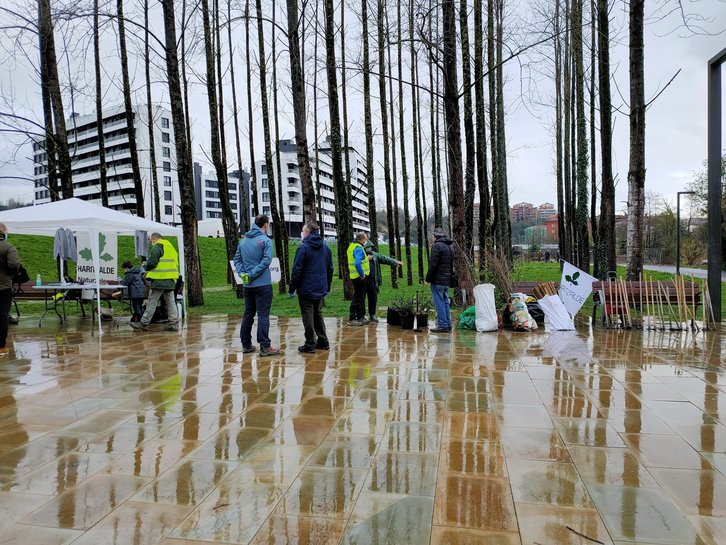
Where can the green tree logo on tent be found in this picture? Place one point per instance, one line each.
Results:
(572, 279)
(86, 254)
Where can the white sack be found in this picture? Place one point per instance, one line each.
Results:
(486, 308)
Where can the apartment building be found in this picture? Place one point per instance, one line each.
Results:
(85, 161)
(206, 190)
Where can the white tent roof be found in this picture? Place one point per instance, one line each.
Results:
(78, 215)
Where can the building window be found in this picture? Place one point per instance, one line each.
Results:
(167, 195)
(168, 210)
(291, 167)
(166, 152)
(265, 183)
(232, 187)
(167, 166)
(210, 183)
(266, 210)
(167, 181)
(212, 194)
(266, 196)
(233, 196)
(264, 169)
(165, 137)
(164, 122)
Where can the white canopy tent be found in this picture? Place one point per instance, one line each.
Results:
(82, 216)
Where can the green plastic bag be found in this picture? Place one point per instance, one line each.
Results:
(467, 320)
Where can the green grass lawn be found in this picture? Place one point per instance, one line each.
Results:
(36, 253)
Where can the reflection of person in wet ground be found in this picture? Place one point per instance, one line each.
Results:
(9, 265)
(312, 276)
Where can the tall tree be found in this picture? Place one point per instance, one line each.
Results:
(481, 139)
(593, 154)
(185, 18)
(402, 141)
(380, 18)
(636, 167)
(346, 141)
(99, 97)
(244, 190)
(300, 111)
(470, 168)
(582, 215)
(561, 237)
(129, 110)
(277, 224)
(453, 137)
(318, 188)
(285, 257)
(416, 145)
(216, 130)
(566, 59)
(606, 226)
(492, 87)
(394, 248)
(506, 230)
(50, 82)
(250, 120)
(342, 203)
(432, 120)
(193, 279)
(367, 117)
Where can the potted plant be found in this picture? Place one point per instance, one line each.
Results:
(408, 313)
(393, 314)
(424, 306)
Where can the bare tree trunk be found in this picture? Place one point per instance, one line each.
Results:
(244, 190)
(136, 172)
(342, 204)
(367, 118)
(300, 112)
(318, 188)
(184, 161)
(481, 139)
(346, 142)
(636, 168)
(51, 85)
(606, 236)
(384, 130)
(416, 147)
(567, 107)
(492, 80)
(438, 207)
(424, 208)
(49, 141)
(506, 229)
(593, 151)
(185, 79)
(402, 141)
(433, 113)
(582, 213)
(278, 227)
(453, 136)
(215, 125)
(251, 125)
(99, 97)
(285, 257)
(394, 237)
(561, 236)
(470, 169)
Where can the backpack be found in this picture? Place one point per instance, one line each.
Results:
(21, 277)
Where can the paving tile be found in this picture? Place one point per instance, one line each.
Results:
(610, 466)
(559, 526)
(289, 530)
(483, 503)
(473, 458)
(534, 444)
(323, 492)
(389, 518)
(403, 473)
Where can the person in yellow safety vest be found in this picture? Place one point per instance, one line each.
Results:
(359, 269)
(162, 270)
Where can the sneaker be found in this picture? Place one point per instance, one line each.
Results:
(171, 328)
(305, 349)
(374, 318)
(440, 330)
(365, 322)
(249, 349)
(322, 346)
(355, 323)
(269, 351)
(139, 326)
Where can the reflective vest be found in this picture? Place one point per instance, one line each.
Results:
(168, 266)
(365, 265)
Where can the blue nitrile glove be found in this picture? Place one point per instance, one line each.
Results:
(292, 296)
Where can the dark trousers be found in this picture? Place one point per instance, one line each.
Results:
(357, 305)
(371, 294)
(6, 299)
(258, 300)
(137, 309)
(312, 318)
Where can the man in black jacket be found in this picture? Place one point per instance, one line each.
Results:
(441, 268)
(9, 265)
(312, 276)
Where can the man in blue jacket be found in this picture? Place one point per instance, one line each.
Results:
(312, 276)
(252, 262)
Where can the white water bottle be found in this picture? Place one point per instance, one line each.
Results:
(38, 280)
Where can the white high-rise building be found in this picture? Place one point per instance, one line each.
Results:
(292, 197)
(83, 147)
(206, 192)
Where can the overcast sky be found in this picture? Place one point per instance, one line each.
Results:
(675, 122)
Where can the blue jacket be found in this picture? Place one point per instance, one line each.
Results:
(312, 270)
(359, 255)
(254, 255)
(135, 284)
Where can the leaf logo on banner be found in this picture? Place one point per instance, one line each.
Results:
(572, 279)
(86, 254)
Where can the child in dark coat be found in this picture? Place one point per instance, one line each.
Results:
(136, 291)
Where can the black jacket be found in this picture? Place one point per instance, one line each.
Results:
(441, 262)
(135, 284)
(312, 270)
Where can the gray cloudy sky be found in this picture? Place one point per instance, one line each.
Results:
(675, 123)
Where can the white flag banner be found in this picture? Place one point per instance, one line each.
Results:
(575, 287)
(275, 271)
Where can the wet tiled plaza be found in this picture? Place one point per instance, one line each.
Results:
(610, 437)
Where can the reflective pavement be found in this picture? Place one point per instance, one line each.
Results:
(611, 437)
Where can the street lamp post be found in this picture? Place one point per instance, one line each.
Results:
(678, 229)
